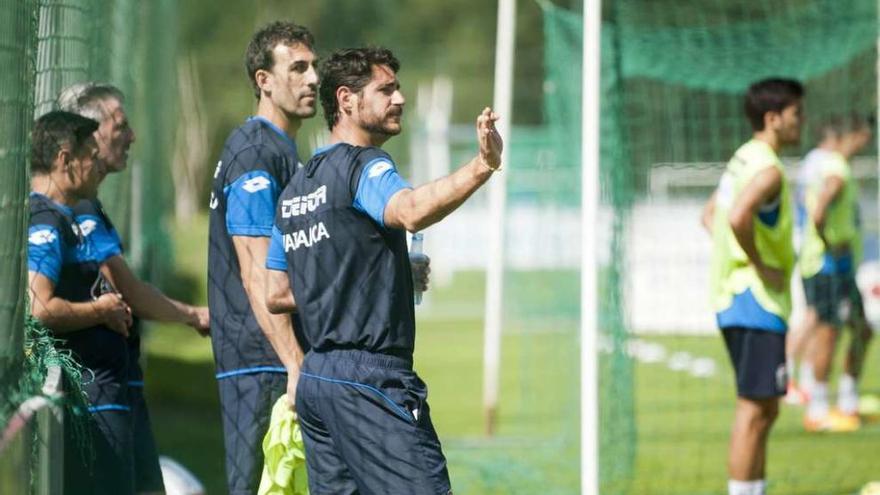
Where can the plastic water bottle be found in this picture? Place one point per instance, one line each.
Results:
(416, 252)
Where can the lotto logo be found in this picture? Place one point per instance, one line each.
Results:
(42, 237)
(87, 226)
(256, 184)
(377, 169)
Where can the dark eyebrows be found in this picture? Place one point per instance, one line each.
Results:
(393, 84)
(302, 64)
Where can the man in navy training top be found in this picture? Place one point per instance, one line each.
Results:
(257, 354)
(63, 276)
(340, 243)
(104, 103)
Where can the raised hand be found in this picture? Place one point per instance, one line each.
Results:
(489, 139)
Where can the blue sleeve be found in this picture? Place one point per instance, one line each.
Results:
(250, 204)
(275, 258)
(104, 241)
(379, 181)
(45, 255)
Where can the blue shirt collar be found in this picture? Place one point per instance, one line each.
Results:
(276, 129)
(326, 148)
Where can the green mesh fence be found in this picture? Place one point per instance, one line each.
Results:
(131, 45)
(45, 46)
(673, 76)
(18, 40)
(17, 44)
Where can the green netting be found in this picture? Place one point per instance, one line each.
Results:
(46, 45)
(17, 44)
(131, 45)
(21, 455)
(673, 75)
(799, 39)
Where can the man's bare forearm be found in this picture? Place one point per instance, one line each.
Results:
(146, 300)
(59, 314)
(744, 232)
(831, 189)
(279, 297)
(63, 316)
(426, 205)
(278, 328)
(150, 303)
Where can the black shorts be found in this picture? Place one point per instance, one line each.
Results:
(109, 467)
(835, 298)
(758, 358)
(246, 402)
(147, 472)
(367, 426)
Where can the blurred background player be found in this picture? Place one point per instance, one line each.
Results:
(340, 243)
(829, 257)
(750, 219)
(803, 317)
(64, 286)
(257, 354)
(114, 136)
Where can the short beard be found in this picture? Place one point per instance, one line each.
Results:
(378, 128)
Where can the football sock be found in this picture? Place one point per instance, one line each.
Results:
(753, 487)
(847, 394)
(818, 407)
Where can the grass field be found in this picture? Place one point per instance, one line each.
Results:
(681, 422)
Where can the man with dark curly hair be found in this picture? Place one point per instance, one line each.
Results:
(340, 243)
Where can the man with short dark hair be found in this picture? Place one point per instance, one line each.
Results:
(65, 295)
(104, 103)
(750, 219)
(256, 353)
(340, 243)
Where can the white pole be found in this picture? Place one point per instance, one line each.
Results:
(502, 104)
(589, 259)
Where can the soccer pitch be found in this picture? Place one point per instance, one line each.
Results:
(681, 420)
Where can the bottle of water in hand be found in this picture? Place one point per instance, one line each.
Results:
(416, 253)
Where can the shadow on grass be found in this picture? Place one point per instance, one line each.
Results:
(185, 412)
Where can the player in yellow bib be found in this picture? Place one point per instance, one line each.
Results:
(830, 254)
(750, 219)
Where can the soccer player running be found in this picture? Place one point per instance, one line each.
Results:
(752, 262)
(257, 354)
(830, 254)
(63, 281)
(340, 243)
(104, 103)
